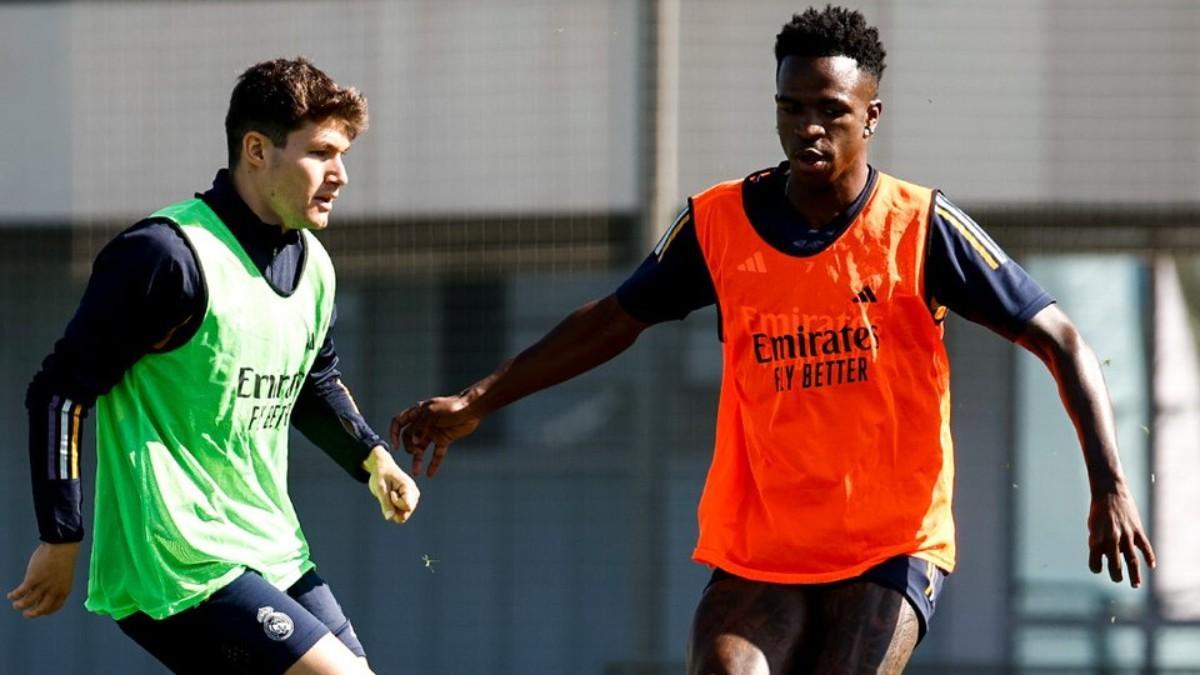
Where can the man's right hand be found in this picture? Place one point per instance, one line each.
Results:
(48, 580)
(439, 421)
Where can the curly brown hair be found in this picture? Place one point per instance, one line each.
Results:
(279, 96)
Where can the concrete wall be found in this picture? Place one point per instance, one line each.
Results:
(535, 106)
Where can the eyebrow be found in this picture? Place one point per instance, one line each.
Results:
(824, 100)
(328, 145)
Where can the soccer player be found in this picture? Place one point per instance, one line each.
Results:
(826, 512)
(204, 331)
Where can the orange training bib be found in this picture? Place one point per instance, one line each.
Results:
(833, 448)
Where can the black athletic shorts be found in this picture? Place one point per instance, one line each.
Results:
(919, 581)
(249, 626)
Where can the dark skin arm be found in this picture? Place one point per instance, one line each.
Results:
(590, 336)
(1114, 527)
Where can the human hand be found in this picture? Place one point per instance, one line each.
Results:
(1114, 532)
(48, 579)
(439, 421)
(396, 491)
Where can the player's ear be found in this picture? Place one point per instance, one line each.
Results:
(254, 149)
(874, 112)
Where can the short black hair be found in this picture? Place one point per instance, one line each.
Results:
(833, 31)
(279, 96)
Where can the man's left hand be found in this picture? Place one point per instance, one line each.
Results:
(1115, 532)
(396, 491)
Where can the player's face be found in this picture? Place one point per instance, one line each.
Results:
(304, 176)
(823, 110)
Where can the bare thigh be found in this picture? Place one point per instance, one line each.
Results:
(329, 657)
(744, 627)
(868, 629)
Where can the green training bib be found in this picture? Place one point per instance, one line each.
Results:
(192, 452)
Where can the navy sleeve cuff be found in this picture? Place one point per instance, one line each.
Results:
(56, 503)
(326, 414)
(1026, 314)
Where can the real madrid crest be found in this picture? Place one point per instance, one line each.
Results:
(277, 625)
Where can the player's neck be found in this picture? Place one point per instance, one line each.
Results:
(247, 190)
(820, 205)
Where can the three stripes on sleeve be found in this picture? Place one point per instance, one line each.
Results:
(979, 240)
(65, 428)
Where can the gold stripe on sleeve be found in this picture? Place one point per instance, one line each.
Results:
(975, 243)
(76, 425)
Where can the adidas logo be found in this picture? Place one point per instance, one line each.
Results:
(865, 295)
(754, 264)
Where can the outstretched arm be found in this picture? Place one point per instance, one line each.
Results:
(590, 336)
(1114, 527)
